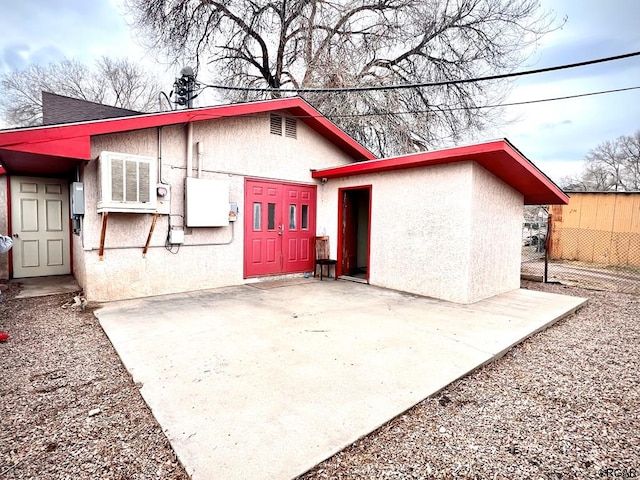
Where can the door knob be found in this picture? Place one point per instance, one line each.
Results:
(15, 235)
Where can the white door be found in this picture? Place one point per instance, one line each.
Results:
(40, 227)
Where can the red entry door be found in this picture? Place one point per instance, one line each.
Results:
(279, 226)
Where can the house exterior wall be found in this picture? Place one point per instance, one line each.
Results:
(424, 225)
(496, 224)
(597, 227)
(232, 149)
(4, 226)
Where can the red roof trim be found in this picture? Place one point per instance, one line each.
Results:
(498, 157)
(51, 140)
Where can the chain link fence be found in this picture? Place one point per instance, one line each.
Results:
(590, 258)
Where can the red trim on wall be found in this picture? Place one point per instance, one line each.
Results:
(338, 269)
(498, 157)
(370, 187)
(340, 234)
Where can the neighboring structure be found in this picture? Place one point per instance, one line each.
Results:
(57, 109)
(155, 199)
(597, 227)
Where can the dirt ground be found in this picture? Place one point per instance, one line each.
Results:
(58, 368)
(586, 275)
(564, 404)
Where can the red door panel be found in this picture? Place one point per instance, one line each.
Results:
(279, 221)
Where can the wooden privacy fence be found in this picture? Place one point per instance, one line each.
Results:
(598, 228)
(592, 242)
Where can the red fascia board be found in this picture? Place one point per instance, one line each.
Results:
(19, 139)
(498, 157)
(74, 147)
(435, 157)
(553, 195)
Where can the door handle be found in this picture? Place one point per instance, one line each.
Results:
(15, 235)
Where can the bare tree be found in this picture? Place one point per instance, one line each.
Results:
(604, 164)
(116, 82)
(288, 44)
(614, 165)
(630, 150)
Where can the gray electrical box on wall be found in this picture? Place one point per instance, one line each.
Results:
(77, 198)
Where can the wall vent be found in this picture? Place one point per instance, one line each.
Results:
(276, 124)
(291, 127)
(127, 183)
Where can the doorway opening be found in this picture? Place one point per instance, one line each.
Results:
(354, 232)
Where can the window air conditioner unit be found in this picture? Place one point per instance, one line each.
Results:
(127, 183)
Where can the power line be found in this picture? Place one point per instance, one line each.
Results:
(498, 105)
(408, 112)
(424, 84)
(444, 109)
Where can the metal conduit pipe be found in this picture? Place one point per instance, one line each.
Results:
(189, 149)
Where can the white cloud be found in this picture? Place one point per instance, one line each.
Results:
(48, 31)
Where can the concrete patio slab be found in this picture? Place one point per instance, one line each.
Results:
(265, 383)
(42, 286)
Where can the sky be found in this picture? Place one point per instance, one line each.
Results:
(556, 136)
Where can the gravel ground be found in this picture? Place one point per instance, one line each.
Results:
(564, 404)
(56, 368)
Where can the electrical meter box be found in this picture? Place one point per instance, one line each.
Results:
(77, 198)
(164, 198)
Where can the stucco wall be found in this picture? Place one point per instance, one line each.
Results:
(420, 224)
(211, 257)
(496, 223)
(4, 227)
(425, 227)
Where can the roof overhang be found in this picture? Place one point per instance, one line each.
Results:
(57, 148)
(499, 157)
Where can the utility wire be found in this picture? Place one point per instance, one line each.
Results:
(203, 116)
(424, 84)
(480, 107)
(444, 109)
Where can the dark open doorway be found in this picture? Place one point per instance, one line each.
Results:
(354, 222)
